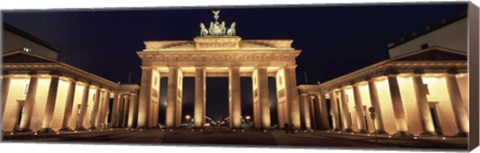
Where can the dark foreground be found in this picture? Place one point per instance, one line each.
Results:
(244, 138)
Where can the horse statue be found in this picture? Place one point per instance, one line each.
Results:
(203, 30)
(223, 28)
(231, 31)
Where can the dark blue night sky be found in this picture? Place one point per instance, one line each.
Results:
(104, 42)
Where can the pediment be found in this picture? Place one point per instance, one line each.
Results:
(24, 57)
(434, 54)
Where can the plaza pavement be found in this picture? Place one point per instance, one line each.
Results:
(212, 137)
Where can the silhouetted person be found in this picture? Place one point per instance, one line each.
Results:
(292, 128)
(286, 127)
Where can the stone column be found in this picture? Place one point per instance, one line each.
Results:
(172, 97)
(115, 111)
(235, 97)
(359, 108)
(121, 110)
(376, 104)
(317, 109)
(29, 103)
(178, 106)
(69, 105)
(398, 108)
(292, 95)
(126, 108)
(313, 111)
(459, 109)
(324, 112)
(50, 106)
(96, 112)
(134, 98)
(305, 112)
(200, 91)
(335, 113)
(131, 110)
(83, 106)
(104, 110)
(423, 108)
(144, 97)
(5, 87)
(263, 97)
(345, 111)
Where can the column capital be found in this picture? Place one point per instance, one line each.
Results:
(391, 71)
(452, 71)
(83, 83)
(200, 66)
(418, 71)
(293, 66)
(6, 76)
(356, 84)
(304, 94)
(5, 72)
(133, 94)
(261, 66)
(392, 75)
(74, 80)
(146, 67)
(234, 66)
(172, 67)
(33, 74)
(346, 86)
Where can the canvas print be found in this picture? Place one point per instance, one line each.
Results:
(344, 76)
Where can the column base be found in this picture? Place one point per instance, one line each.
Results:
(462, 134)
(82, 129)
(381, 132)
(324, 129)
(363, 131)
(336, 130)
(46, 130)
(428, 134)
(23, 130)
(348, 130)
(403, 134)
(66, 129)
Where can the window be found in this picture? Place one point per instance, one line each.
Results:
(424, 46)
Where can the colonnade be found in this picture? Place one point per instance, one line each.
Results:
(149, 95)
(406, 104)
(52, 102)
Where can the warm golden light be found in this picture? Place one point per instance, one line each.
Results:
(384, 98)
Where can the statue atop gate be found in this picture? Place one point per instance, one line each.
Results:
(216, 28)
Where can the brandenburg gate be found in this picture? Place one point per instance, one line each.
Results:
(218, 52)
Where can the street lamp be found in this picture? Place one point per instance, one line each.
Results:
(248, 119)
(187, 117)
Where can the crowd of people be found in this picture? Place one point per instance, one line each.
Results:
(289, 128)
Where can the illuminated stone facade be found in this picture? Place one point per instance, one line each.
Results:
(218, 56)
(421, 92)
